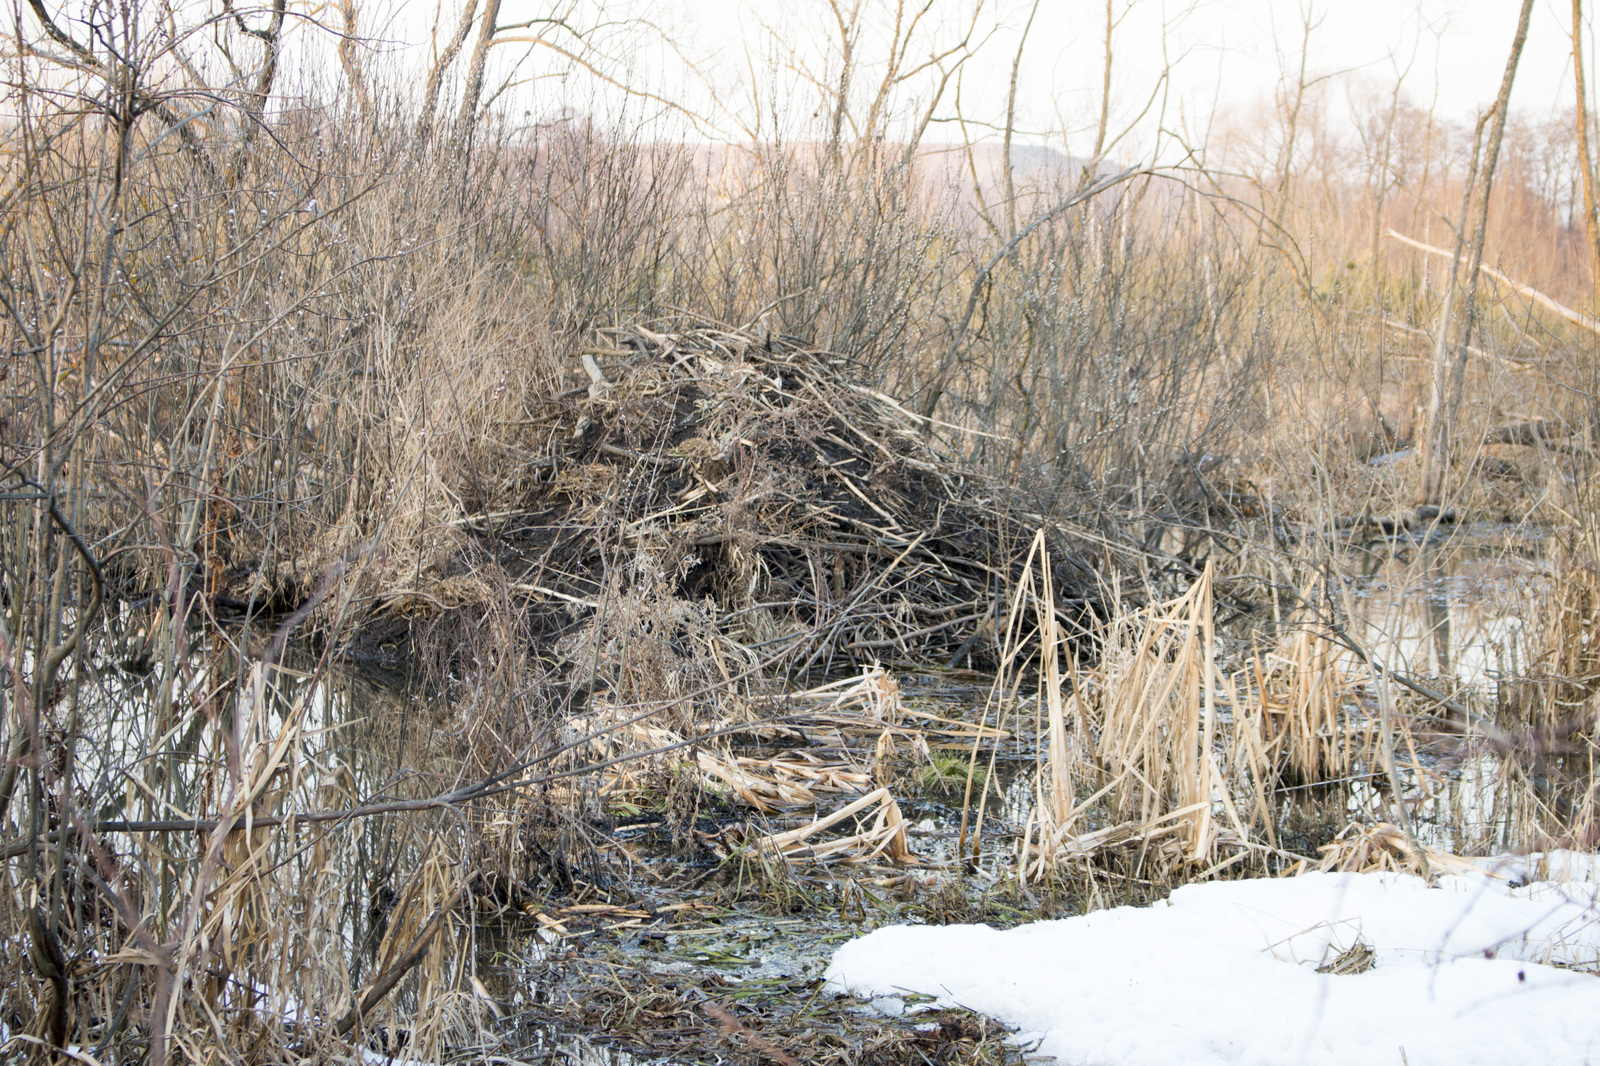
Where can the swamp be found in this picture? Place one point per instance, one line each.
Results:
(527, 555)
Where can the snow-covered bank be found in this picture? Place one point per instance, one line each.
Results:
(1225, 972)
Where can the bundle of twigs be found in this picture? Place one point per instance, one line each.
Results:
(813, 515)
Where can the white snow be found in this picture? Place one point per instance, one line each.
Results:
(1225, 972)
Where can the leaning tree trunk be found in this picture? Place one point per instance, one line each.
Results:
(1585, 156)
(1447, 373)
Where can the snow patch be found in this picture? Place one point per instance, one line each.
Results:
(1466, 971)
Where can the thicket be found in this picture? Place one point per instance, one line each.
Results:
(296, 375)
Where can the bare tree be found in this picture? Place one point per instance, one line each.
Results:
(1011, 114)
(1585, 156)
(1447, 375)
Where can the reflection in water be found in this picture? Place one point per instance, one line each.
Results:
(1456, 614)
(347, 897)
(548, 1047)
(269, 925)
(1438, 614)
(1466, 809)
(1455, 611)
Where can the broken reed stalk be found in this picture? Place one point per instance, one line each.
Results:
(1002, 696)
(1146, 714)
(1153, 712)
(1061, 791)
(885, 836)
(402, 964)
(1055, 808)
(1305, 733)
(1144, 727)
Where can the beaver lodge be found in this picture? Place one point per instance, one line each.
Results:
(745, 485)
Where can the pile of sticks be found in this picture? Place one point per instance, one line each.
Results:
(814, 512)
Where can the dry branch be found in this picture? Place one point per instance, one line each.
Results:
(1529, 291)
(385, 982)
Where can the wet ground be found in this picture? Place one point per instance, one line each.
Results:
(735, 974)
(669, 945)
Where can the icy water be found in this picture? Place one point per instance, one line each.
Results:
(1453, 614)
(1450, 613)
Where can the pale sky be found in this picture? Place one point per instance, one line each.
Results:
(1231, 51)
(1455, 48)
(1222, 53)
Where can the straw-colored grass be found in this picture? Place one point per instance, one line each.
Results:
(518, 407)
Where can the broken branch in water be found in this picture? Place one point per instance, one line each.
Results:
(401, 966)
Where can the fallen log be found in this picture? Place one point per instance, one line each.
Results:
(1532, 432)
(1399, 522)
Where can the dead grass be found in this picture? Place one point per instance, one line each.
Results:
(616, 454)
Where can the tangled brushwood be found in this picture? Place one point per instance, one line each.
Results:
(429, 367)
(752, 486)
